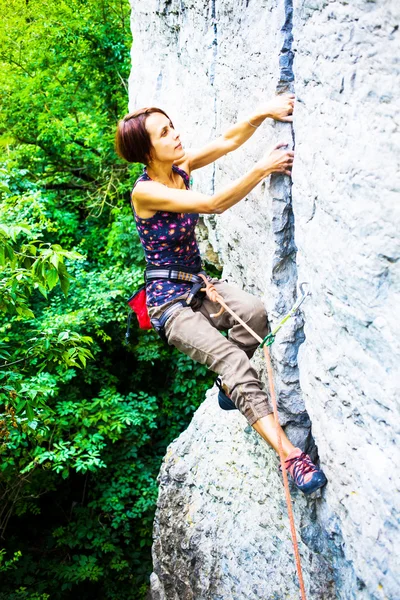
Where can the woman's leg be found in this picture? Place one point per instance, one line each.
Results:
(267, 429)
(252, 311)
(195, 334)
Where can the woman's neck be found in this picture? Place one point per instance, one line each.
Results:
(162, 172)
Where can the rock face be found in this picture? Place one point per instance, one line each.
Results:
(221, 530)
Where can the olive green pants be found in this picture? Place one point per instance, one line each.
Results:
(195, 333)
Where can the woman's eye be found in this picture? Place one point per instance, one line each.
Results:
(165, 130)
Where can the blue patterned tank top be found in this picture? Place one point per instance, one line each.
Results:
(168, 238)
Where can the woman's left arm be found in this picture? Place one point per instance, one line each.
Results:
(279, 108)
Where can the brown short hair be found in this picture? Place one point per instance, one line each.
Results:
(132, 140)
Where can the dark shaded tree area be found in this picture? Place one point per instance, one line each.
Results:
(84, 418)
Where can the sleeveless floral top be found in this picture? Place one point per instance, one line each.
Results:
(168, 238)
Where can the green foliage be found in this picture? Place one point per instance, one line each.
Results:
(5, 565)
(84, 419)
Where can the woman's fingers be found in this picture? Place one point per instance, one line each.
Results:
(280, 145)
(278, 159)
(212, 294)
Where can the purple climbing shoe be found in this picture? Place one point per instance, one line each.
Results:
(307, 477)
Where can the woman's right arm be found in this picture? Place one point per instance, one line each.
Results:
(152, 195)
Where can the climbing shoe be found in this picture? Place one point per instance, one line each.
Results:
(223, 399)
(307, 477)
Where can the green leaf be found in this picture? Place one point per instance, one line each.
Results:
(51, 277)
(29, 412)
(55, 260)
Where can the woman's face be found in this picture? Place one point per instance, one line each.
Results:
(164, 138)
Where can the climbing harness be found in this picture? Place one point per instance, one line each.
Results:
(179, 273)
(174, 272)
(264, 343)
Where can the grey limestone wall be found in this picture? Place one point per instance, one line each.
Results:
(221, 530)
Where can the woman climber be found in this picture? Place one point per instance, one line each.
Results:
(166, 211)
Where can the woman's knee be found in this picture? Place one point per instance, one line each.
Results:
(238, 369)
(258, 308)
(256, 318)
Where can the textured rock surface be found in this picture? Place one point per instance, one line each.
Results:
(208, 64)
(345, 200)
(221, 529)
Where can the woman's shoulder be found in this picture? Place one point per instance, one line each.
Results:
(142, 177)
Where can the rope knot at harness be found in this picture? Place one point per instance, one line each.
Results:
(212, 294)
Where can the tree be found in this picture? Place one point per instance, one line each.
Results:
(85, 419)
